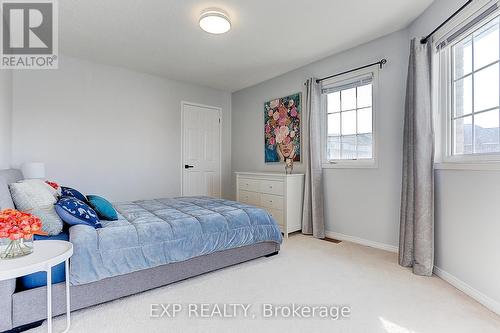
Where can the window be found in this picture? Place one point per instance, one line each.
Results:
(348, 106)
(476, 115)
(472, 83)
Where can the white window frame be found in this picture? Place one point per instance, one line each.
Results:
(356, 163)
(443, 99)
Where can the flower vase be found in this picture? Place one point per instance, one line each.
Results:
(10, 249)
(288, 166)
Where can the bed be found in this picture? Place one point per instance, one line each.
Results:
(154, 243)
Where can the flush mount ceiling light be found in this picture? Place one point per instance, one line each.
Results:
(215, 21)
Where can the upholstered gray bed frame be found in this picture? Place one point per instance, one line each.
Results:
(19, 308)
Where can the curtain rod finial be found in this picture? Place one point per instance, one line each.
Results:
(383, 62)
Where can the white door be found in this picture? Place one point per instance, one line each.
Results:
(201, 155)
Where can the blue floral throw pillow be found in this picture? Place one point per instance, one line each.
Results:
(71, 192)
(74, 211)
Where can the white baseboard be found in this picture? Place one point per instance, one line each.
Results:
(361, 241)
(485, 300)
(468, 290)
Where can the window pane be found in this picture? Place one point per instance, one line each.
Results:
(333, 149)
(463, 57)
(348, 122)
(349, 147)
(486, 45)
(334, 124)
(333, 102)
(486, 88)
(463, 96)
(365, 120)
(486, 132)
(349, 99)
(462, 135)
(365, 96)
(365, 143)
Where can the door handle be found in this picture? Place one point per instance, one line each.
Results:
(186, 166)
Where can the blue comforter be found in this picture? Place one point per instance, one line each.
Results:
(156, 232)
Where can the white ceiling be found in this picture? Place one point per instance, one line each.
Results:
(268, 37)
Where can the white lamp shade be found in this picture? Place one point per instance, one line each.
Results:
(33, 170)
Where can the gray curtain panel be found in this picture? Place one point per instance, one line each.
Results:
(313, 221)
(416, 240)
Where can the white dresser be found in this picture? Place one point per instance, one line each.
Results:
(280, 194)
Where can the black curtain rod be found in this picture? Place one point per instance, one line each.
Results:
(381, 63)
(426, 38)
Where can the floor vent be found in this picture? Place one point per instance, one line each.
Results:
(336, 241)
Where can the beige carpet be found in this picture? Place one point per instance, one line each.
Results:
(383, 296)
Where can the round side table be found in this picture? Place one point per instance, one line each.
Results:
(46, 254)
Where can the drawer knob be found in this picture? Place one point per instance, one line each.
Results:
(270, 186)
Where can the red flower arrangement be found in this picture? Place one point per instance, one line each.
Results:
(18, 228)
(15, 225)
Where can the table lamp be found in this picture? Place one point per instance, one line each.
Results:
(33, 170)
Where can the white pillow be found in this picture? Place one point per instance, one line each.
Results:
(28, 195)
(41, 184)
(37, 198)
(51, 222)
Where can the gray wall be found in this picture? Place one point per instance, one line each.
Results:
(108, 130)
(467, 204)
(363, 203)
(5, 117)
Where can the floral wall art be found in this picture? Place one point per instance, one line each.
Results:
(282, 128)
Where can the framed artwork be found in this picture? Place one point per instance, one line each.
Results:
(282, 130)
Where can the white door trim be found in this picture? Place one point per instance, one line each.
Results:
(219, 109)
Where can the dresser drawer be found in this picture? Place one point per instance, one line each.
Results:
(272, 187)
(251, 198)
(249, 184)
(277, 214)
(279, 194)
(271, 201)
